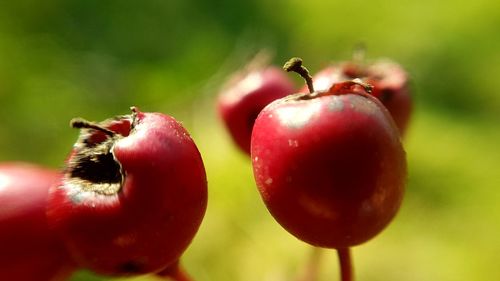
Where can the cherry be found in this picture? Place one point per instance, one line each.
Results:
(133, 194)
(389, 81)
(329, 165)
(246, 94)
(29, 250)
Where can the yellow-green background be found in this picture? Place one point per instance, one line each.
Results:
(95, 58)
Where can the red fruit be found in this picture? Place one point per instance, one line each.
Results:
(391, 87)
(329, 166)
(389, 81)
(29, 251)
(245, 95)
(133, 195)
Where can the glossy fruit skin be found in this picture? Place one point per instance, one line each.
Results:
(391, 87)
(389, 80)
(149, 222)
(29, 251)
(245, 95)
(331, 168)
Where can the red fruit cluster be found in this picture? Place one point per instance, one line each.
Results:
(328, 162)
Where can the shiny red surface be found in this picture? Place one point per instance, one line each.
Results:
(245, 96)
(152, 219)
(330, 169)
(390, 83)
(29, 251)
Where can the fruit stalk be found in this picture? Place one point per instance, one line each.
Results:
(345, 263)
(295, 65)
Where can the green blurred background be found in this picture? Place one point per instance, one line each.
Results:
(95, 58)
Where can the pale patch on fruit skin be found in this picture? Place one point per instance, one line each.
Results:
(78, 195)
(4, 182)
(269, 181)
(336, 104)
(98, 188)
(364, 105)
(293, 143)
(296, 117)
(317, 209)
(125, 240)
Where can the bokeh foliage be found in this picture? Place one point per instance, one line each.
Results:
(65, 58)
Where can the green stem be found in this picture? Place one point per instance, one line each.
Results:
(295, 65)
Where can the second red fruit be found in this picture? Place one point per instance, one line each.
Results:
(29, 250)
(245, 95)
(133, 194)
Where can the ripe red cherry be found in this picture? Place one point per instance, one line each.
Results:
(245, 95)
(389, 81)
(29, 251)
(133, 194)
(330, 165)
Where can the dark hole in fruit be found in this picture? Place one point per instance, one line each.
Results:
(97, 168)
(95, 139)
(130, 267)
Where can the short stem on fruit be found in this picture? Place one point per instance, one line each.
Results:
(346, 271)
(295, 65)
(80, 123)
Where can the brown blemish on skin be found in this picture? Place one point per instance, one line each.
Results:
(317, 209)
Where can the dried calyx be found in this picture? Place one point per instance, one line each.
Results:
(92, 167)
